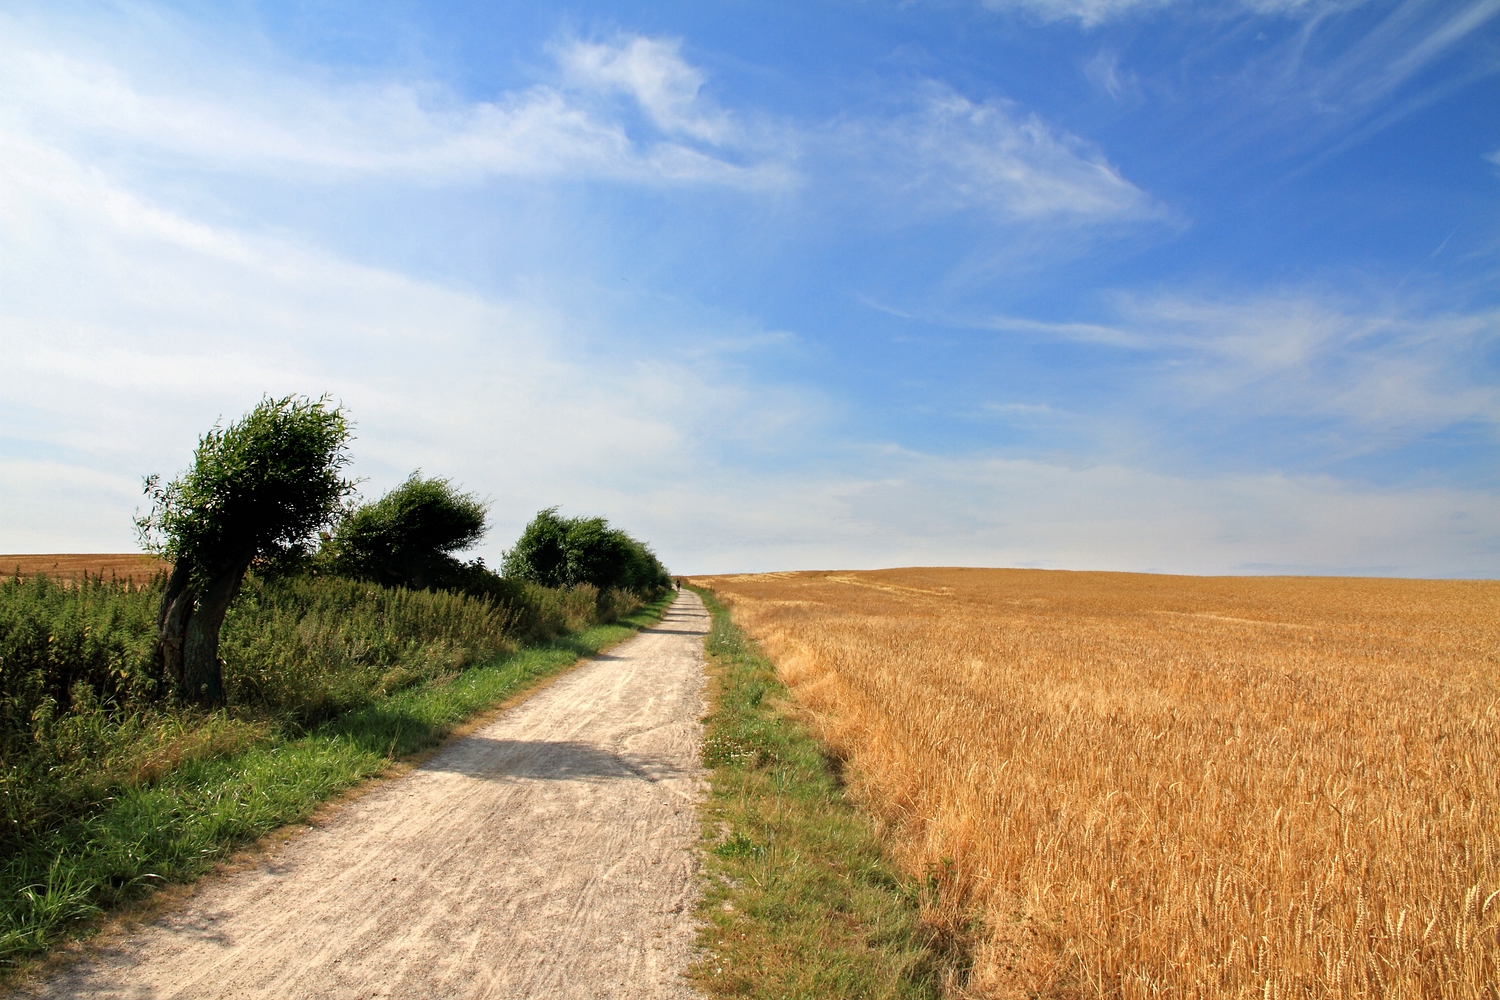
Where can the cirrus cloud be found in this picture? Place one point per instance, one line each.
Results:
(276, 123)
(951, 154)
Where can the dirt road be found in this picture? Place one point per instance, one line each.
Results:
(549, 854)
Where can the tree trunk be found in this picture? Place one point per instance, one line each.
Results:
(172, 619)
(202, 678)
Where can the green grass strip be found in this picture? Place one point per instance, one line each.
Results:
(800, 902)
(179, 827)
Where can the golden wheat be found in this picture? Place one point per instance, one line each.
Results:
(1143, 786)
(136, 567)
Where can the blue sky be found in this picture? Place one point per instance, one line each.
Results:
(1116, 284)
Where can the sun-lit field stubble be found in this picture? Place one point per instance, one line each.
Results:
(1151, 785)
(120, 566)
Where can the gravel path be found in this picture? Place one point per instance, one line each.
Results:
(548, 854)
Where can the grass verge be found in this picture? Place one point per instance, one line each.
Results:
(178, 827)
(800, 900)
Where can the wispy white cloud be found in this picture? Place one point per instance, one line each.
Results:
(630, 108)
(279, 122)
(653, 73)
(1351, 69)
(953, 154)
(1093, 333)
(1082, 332)
(1308, 9)
(1113, 516)
(1105, 72)
(1090, 13)
(128, 329)
(1303, 354)
(1407, 40)
(129, 324)
(82, 506)
(1347, 67)
(1086, 12)
(909, 508)
(131, 329)
(1024, 411)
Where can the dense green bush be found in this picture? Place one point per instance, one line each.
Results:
(407, 538)
(557, 551)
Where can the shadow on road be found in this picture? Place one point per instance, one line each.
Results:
(494, 760)
(679, 619)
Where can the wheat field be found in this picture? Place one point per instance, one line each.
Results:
(1134, 785)
(136, 567)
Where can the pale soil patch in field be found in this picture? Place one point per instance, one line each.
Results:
(134, 566)
(1140, 785)
(548, 854)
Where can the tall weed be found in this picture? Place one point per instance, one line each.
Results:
(309, 648)
(93, 637)
(100, 767)
(85, 713)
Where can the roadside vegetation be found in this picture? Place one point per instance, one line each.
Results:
(557, 551)
(147, 729)
(800, 901)
(1151, 786)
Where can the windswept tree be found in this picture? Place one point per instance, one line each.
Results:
(258, 490)
(558, 551)
(407, 538)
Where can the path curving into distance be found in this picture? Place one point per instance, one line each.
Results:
(548, 854)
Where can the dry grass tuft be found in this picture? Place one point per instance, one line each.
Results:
(163, 748)
(1138, 786)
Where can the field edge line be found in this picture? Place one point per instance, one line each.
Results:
(800, 899)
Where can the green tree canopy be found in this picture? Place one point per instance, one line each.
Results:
(407, 538)
(257, 490)
(558, 551)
